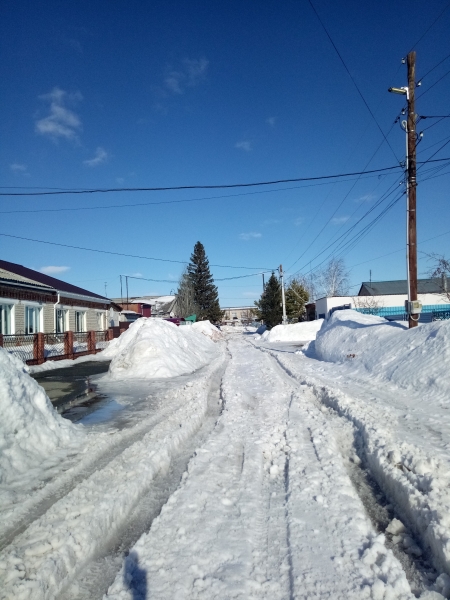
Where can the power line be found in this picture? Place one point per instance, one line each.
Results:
(353, 80)
(194, 187)
(432, 86)
(221, 279)
(427, 30)
(128, 205)
(435, 66)
(181, 262)
(399, 250)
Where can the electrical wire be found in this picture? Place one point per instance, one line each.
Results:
(432, 86)
(432, 24)
(181, 262)
(352, 78)
(220, 279)
(193, 187)
(128, 205)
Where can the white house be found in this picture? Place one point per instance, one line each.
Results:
(32, 302)
(387, 299)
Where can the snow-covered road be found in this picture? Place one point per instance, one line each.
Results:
(281, 487)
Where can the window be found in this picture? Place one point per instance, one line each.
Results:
(32, 319)
(5, 318)
(80, 320)
(99, 321)
(61, 320)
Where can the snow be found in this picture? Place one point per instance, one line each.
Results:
(267, 507)
(156, 348)
(208, 329)
(31, 431)
(297, 332)
(411, 358)
(231, 531)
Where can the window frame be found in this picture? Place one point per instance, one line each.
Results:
(82, 314)
(10, 328)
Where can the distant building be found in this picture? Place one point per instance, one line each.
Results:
(238, 315)
(387, 299)
(149, 306)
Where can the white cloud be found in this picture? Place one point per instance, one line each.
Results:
(366, 198)
(271, 121)
(299, 221)
(190, 74)
(101, 156)
(339, 220)
(61, 122)
(18, 168)
(249, 294)
(270, 222)
(53, 270)
(137, 275)
(120, 180)
(252, 235)
(244, 145)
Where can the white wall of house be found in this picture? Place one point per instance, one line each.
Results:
(324, 305)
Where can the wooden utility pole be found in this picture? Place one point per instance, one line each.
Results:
(412, 185)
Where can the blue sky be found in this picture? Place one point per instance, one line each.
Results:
(101, 94)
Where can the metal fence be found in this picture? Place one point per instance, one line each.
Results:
(21, 346)
(101, 340)
(80, 342)
(54, 344)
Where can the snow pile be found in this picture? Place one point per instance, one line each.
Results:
(156, 348)
(297, 332)
(415, 359)
(31, 431)
(208, 329)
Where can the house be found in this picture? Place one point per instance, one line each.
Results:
(150, 306)
(32, 302)
(387, 299)
(238, 315)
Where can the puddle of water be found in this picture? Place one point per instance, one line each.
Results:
(96, 411)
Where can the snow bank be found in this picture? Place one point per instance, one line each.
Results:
(31, 431)
(153, 348)
(297, 332)
(208, 329)
(415, 359)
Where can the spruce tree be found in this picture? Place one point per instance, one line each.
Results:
(296, 298)
(206, 296)
(269, 305)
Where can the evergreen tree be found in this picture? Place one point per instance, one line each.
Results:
(268, 307)
(296, 298)
(206, 296)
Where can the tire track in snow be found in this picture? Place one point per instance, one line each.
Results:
(219, 536)
(58, 545)
(373, 448)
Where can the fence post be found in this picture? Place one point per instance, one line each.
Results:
(91, 342)
(1, 340)
(39, 348)
(68, 343)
